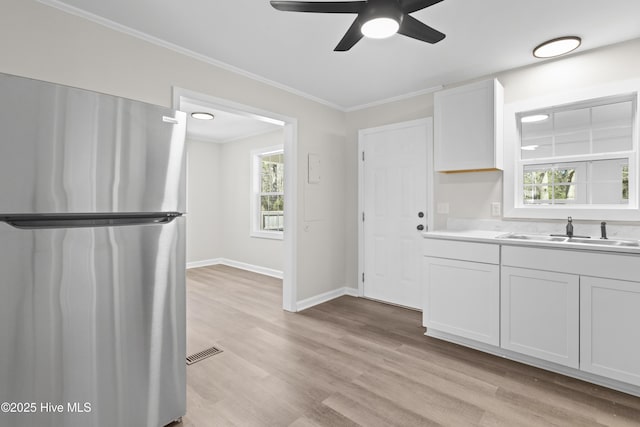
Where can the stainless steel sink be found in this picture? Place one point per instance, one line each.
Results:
(533, 237)
(562, 239)
(609, 242)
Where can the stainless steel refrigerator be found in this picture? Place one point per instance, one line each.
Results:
(92, 259)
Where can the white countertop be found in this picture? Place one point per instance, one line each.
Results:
(486, 236)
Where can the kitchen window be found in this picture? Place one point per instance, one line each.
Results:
(577, 159)
(267, 197)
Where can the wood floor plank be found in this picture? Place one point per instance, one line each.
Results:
(356, 362)
(322, 415)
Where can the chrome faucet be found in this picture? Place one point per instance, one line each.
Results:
(603, 230)
(569, 227)
(569, 232)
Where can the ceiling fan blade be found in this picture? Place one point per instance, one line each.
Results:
(352, 36)
(319, 6)
(415, 29)
(410, 6)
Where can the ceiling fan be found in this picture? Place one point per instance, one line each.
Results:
(376, 18)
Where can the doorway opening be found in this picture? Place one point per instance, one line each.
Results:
(262, 130)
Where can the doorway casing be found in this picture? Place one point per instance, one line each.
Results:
(290, 126)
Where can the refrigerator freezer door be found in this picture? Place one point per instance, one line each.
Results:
(66, 150)
(93, 319)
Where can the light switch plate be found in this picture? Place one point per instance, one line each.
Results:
(314, 169)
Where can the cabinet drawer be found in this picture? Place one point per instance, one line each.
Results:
(466, 251)
(584, 263)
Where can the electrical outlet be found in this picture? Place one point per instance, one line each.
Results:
(495, 209)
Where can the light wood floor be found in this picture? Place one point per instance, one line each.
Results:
(353, 362)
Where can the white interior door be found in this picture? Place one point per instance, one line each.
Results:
(393, 191)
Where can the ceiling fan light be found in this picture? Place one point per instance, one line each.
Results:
(380, 28)
(557, 47)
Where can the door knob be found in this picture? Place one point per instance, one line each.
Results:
(420, 214)
(420, 227)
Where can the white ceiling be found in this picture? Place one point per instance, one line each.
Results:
(225, 127)
(295, 50)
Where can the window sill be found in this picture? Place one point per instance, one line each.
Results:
(576, 212)
(273, 235)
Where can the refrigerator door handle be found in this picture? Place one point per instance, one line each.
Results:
(46, 221)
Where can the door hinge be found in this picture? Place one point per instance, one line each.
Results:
(362, 277)
(363, 156)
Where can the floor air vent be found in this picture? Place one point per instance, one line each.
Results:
(196, 357)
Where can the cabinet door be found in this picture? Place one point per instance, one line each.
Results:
(610, 328)
(462, 298)
(540, 314)
(468, 127)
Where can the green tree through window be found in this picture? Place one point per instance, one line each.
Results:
(553, 185)
(272, 192)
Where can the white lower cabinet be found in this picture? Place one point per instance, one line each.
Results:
(539, 305)
(462, 298)
(540, 314)
(610, 328)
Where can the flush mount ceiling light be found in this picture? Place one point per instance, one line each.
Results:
(534, 118)
(202, 116)
(557, 47)
(376, 18)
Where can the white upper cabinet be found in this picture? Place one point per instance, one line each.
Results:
(468, 127)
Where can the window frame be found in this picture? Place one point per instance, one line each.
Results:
(513, 179)
(255, 193)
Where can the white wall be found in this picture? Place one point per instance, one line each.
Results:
(235, 187)
(218, 191)
(44, 43)
(204, 213)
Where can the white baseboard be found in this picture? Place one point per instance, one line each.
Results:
(237, 264)
(250, 267)
(354, 292)
(327, 296)
(301, 305)
(204, 263)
